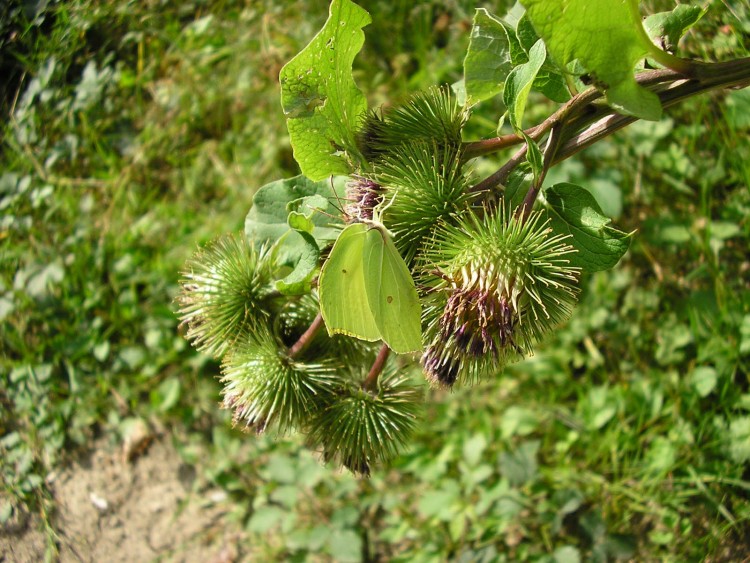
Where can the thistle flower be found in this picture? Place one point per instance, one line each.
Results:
(431, 115)
(224, 291)
(362, 196)
(430, 188)
(360, 428)
(498, 286)
(263, 387)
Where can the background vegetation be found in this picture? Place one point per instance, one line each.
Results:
(133, 131)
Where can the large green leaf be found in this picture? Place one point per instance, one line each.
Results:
(607, 38)
(495, 48)
(282, 201)
(575, 212)
(488, 59)
(519, 82)
(321, 101)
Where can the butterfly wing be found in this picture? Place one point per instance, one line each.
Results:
(391, 294)
(343, 296)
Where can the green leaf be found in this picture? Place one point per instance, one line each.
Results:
(533, 156)
(518, 421)
(300, 219)
(321, 101)
(439, 502)
(517, 185)
(745, 335)
(302, 211)
(299, 280)
(346, 516)
(6, 511)
(661, 456)
(739, 439)
(703, 379)
(345, 545)
(575, 211)
(473, 449)
(737, 107)
(566, 554)
(552, 84)
(279, 469)
(599, 408)
(519, 83)
(366, 290)
(607, 38)
(629, 98)
(168, 393)
(459, 90)
(666, 28)
(7, 306)
(286, 496)
(549, 80)
(520, 466)
(457, 526)
(602, 417)
(488, 59)
(268, 220)
(266, 518)
(526, 35)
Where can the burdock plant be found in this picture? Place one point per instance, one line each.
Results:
(226, 289)
(459, 276)
(497, 286)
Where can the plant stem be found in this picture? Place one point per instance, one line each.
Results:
(553, 143)
(371, 381)
(306, 338)
(496, 181)
(584, 122)
(473, 149)
(601, 124)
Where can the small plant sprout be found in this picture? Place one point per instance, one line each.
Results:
(456, 277)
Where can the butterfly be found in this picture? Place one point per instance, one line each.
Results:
(366, 290)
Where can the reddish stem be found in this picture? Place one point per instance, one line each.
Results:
(371, 381)
(306, 338)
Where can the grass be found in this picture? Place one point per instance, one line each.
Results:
(133, 135)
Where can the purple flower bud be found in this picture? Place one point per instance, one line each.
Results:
(362, 196)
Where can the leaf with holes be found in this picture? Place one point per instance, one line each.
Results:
(320, 99)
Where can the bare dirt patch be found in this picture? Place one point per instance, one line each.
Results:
(110, 508)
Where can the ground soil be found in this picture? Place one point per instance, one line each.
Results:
(116, 505)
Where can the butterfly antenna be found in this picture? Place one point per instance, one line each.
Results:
(340, 205)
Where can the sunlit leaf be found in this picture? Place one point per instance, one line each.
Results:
(519, 83)
(607, 38)
(488, 59)
(321, 101)
(575, 211)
